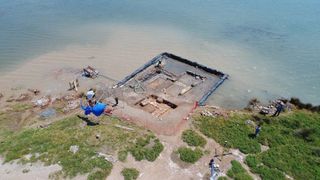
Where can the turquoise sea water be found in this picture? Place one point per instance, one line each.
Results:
(283, 36)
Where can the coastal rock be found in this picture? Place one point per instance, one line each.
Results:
(34, 91)
(10, 99)
(250, 122)
(74, 149)
(214, 111)
(107, 157)
(206, 113)
(70, 97)
(42, 102)
(71, 105)
(23, 97)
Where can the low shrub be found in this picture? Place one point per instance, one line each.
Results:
(305, 133)
(293, 140)
(233, 132)
(251, 161)
(98, 175)
(238, 172)
(222, 178)
(122, 155)
(141, 150)
(192, 138)
(301, 105)
(268, 173)
(188, 155)
(130, 173)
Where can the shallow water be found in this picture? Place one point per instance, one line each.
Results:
(270, 48)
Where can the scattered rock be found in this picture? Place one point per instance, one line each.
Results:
(44, 126)
(70, 97)
(42, 102)
(124, 127)
(265, 110)
(207, 113)
(214, 111)
(23, 97)
(74, 149)
(34, 91)
(25, 170)
(108, 157)
(250, 122)
(71, 105)
(288, 177)
(97, 136)
(10, 99)
(1, 95)
(28, 156)
(264, 148)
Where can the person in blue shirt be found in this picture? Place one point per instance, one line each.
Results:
(279, 107)
(96, 108)
(258, 129)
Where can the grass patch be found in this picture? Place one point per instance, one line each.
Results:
(130, 173)
(222, 178)
(293, 139)
(97, 175)
(18, 107)
(188, 155)
(51, 145)
(233, 132)
(148, 148)
(122, 155)
(237, 172)
(192, 138)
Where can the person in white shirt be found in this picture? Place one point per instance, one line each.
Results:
(90, 94)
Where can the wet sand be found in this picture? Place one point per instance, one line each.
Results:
(126, 47)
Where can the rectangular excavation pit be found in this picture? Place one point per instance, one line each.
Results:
(160, 83)
(155, 105)
(182, 85)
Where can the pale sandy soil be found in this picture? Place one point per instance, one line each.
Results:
(168, 166)
(18, 171)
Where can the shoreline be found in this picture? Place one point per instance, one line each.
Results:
(126, 47)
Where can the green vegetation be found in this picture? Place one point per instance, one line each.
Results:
(293, 139)
(122, 155)
(147, 148)
(97, 175)
(222, 178)
(18, 107)
(192, 138)
(12, 118)
(231, 133)
(237, 172)
(301, 105)
(188, 155)
(52, 145)
(130, 173)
